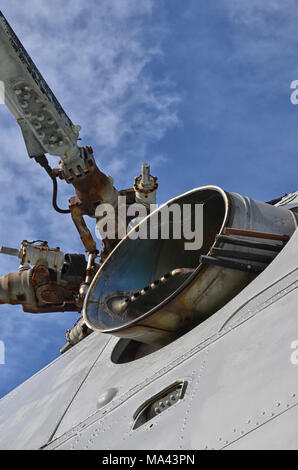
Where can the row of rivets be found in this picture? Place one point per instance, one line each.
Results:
(24, 96)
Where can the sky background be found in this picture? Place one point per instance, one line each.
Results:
(200, 90)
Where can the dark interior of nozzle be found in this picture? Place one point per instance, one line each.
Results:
(143, 273)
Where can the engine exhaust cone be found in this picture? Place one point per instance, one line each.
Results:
(151, 290)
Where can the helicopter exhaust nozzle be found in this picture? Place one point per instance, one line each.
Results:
(152, 290)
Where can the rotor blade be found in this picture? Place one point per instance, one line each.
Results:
(45, 126)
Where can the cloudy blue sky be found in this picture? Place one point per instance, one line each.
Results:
(201, 90)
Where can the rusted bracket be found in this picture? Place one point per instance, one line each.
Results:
(85, 234)
(93, 189)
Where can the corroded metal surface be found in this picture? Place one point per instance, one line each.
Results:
(16, 288)
(38, 291)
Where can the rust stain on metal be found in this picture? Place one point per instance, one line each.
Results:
(129, 194)
(85, 234)
(38, 291)
(251, 233)
(40, 276)
(90, 188)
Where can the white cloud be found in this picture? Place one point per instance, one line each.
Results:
(267, 29)
(254, 11)
(95, 57)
